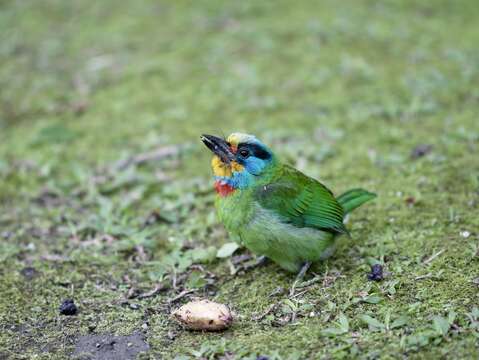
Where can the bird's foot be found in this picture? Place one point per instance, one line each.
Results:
(260, 261)
(299, 277)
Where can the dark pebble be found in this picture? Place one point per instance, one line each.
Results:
(68, 307)
(29, 272)
(410, 200)
(376, 273)
(420, 151)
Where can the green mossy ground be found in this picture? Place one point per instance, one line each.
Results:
(344, 90)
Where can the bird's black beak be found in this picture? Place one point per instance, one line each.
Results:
(219, 147)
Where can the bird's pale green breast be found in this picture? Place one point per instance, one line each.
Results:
(235, 210)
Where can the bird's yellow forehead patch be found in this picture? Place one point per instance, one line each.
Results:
(222, 169)
(237, 138)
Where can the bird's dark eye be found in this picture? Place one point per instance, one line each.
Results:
(244, 153)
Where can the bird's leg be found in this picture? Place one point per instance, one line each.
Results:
(300, 276)
(260, 261)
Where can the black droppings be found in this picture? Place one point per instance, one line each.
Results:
(376, 273)
(68, 308)
(29, 273)
(420, 151)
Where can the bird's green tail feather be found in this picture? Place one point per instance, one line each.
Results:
(354, 198)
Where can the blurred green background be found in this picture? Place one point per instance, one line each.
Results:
(377, 94)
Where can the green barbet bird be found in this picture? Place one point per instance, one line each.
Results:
(273, 209)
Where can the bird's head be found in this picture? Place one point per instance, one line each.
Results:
(238, 160)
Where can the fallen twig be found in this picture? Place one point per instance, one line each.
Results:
(309, 282)
(153, 292)
(265, 313)
(157, 154)
(55, 258)
(422, 277)
(132, 293)
(141, 253)
(298, 294)
(432, 257)
(181, 295)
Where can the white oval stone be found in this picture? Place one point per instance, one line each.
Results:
(204, 315)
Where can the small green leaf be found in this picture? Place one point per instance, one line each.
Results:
(387, 318)
(204, 255)
(372, 261)
(227, 250)
(306, 307)
(183, 263)
(196, 280)
(451, 317)
(184, 357)
(372, 299)
(441, 325)
(342, 327)
(399, 322)
(332, 331)
(291, 305)
(343, 322)
(372, 322)
(54, 134)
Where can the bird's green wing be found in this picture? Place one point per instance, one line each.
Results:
(302, 201)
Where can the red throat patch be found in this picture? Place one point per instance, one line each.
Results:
(223, 189)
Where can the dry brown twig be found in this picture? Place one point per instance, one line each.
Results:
(157, 154)
(159, 287)
(265, 313)
(181, 295)
(433, 256)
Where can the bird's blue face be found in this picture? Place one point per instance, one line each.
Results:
(239, 159)
(253, 156)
